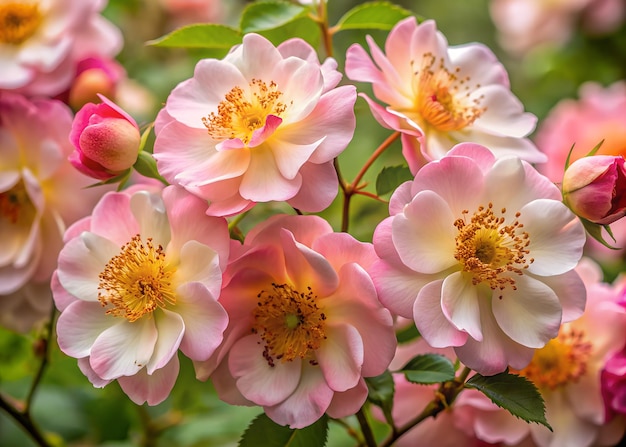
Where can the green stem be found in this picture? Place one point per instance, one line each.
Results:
(24, 420)
(370, 441)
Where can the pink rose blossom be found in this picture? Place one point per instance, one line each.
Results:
(305, 323)
(40, 50)
(595, 188)
(263, 124)
(40, 193)
(613, 374)
(480, 253)
(94, 76)
(438, 96)
(106, 140)
(136, 281)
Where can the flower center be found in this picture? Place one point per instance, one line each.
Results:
(137, 281)
(18, 22)
(16, 206)
(443, 97)
(290, 324)
(242, 112)
(561, 361)
(491, 250)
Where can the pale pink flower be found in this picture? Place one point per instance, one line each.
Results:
(567, 373)
(138, 280)
(438, 96)
(263, 124)
(480, 253)
(42, 41)
(524, 25)
(36, 182)
(305, 323)
(185, 12)
(599, 115)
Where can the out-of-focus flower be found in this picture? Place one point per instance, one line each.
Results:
(595, 188)
(598, 116)
(185, 12)
(567, 373)
(438, 96)
(41, 42)
(480, 253)
(40, 193)
(106, 140)
(305, 323)
(524, 25)
(613, 374)
(262, 124)
(94, 77)
(138, 280)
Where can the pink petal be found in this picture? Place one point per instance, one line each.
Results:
(459, 301)
(319, 188)
(170, 328)
(348, 402)
(571, 292)
(340, 356)
(151, 388)
(263, 182)
(85, 368)
(79, 325)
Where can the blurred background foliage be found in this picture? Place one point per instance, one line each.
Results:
(74, 413)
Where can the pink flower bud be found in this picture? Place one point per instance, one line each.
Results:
(106, 140)
(594, 187)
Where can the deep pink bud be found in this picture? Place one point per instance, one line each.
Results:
(594, 187)
(106, 140)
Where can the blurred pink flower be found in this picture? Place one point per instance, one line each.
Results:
(480, 253)
(599, 115)
(305, 323)
(185, 12)
(262, 124)
(437, 96)
(524, 25)
(106, 140)
(567, 373)
(36, 181)
(93, 76)
(138, 280)
(41, 43)
(613, 374)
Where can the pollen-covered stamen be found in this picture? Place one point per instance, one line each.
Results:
(16, 206)
(18, 21)
(137, 281)
(561, 361)
(443, 98)
(491, 249)
(290, 323)
(244, 110)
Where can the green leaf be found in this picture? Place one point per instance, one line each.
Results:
(372, 15)
(262, 430)
(391, 177)
(429, 368)
(381, 390)
(303, 27)
(407, 334)
(203, 35)
(514, 393)
(260, 16)
(146, 166)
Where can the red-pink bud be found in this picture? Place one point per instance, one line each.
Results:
(106, 140)
(594, 188)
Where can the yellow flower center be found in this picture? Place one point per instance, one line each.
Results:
(443, 96)
(16, 206)
(490, 250)
(244, 111)
(137, 281)
(561, 361)
(18, 21)
(290, 324)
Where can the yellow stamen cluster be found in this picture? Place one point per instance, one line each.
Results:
(443, 97)
(561, 361)
(15, 205)
(137, 281)
(490, 250)
(244, 111)
(18, 21)
(290, 323)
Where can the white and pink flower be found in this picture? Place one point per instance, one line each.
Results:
(263, 124)
(438, 96)
(42, 41)
(137, 281)
(480, 253)
(36, 180)
(305, 323)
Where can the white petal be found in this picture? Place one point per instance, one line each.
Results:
(459, 301)
(171, 328)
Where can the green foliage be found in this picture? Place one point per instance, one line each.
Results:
(407, 334)
(274, 435)
(514, 393)
(205, 35)
(381, 390)
(428, 369)
(263, 16)
(391, 177)
(372, 15)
